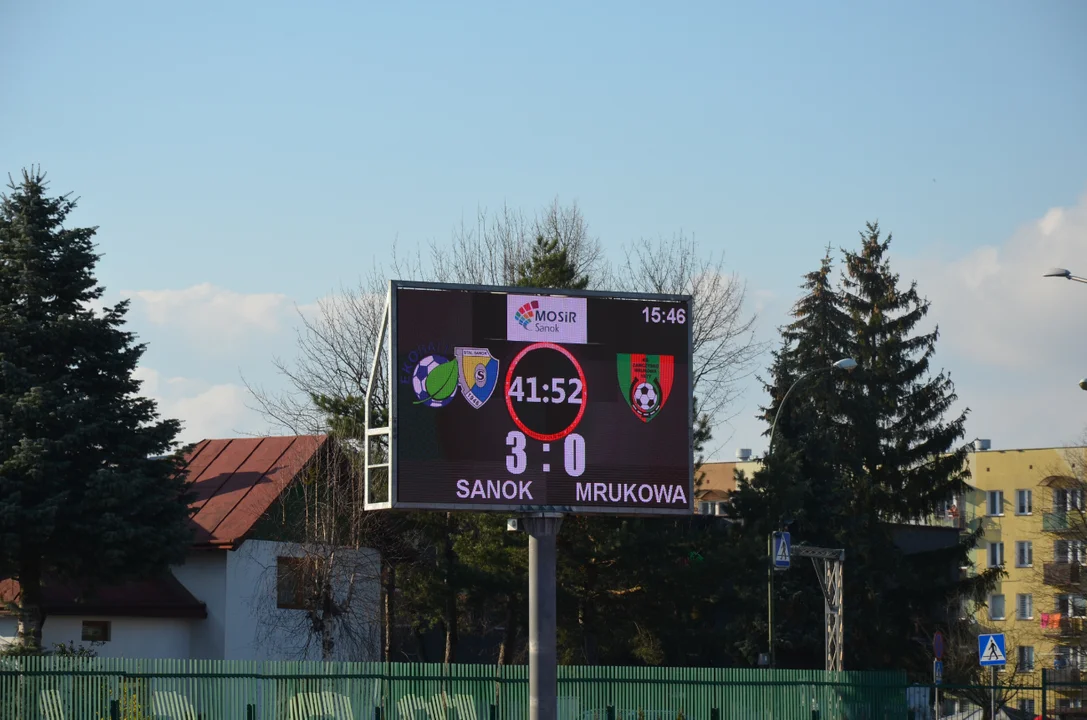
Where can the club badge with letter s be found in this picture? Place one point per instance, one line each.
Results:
(478, 374)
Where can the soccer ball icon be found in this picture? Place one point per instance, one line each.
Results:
(645, 398)
(432, 397)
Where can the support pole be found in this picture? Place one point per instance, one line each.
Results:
(770, 596)
(936, 692)
(992, 713)
(1045, 708)
(542, 531)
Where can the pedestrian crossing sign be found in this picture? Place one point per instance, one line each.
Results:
(782, 550)
(991, 650)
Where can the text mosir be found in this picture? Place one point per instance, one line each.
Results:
(631, 493)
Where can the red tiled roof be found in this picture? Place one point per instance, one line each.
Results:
(159, 598)
(236, 480)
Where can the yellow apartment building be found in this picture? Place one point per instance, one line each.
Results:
(1029, 504)
(717, 480)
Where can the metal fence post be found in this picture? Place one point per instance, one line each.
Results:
(114, 710)
(1045, 710)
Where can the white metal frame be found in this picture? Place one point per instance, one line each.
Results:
(390, 461)
(828, 571)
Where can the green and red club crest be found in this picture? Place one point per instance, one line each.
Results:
(645, 381)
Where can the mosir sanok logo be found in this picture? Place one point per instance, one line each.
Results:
(532, 318)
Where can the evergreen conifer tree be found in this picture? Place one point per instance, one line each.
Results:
(800, 484)
(905, 459)
(550, 266)
(903, 445)
(86, 493)
(851, 456)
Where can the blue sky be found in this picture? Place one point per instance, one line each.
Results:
(247, 156)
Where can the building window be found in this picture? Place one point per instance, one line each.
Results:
(996, 502)
(1065, 500)
(1072, 605)
(1026, 658)
(1024, 553)
(1026, 704)
(996, 607)
(1069, 657)
(291, 583)
(1024, 606)
(1069, 551)
(996, 554)
(1023, 502)
(95, 631)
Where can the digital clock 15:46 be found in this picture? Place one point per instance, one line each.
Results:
(677, 316)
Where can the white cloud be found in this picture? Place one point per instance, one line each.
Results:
(1016, 342)
(205, 410)
(218, 318)
(995, 307)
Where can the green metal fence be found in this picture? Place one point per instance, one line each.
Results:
(50, 688)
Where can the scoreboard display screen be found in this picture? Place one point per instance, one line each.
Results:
(508, 399)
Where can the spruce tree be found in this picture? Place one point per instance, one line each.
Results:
(904, 458)
(799, 487)
(902, 443)
(86, 492)
(550, 267)
(852, 455)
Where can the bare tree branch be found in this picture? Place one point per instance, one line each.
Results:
(335, 348)
(723, 332)
(328, 570)
(492, 252)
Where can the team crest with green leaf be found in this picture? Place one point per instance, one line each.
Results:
(645, 381)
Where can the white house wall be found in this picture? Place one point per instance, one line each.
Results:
(204, 574)
(8, 628)
(258, 630)
(243, 623)
(129, 637)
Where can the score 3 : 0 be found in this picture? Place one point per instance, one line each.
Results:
(546, 437)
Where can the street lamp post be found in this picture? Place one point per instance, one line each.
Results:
(1067, 275)
(848, 365)
(1064, 273)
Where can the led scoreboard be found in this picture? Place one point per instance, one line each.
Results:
(513, 399)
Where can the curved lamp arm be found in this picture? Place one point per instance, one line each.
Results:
(847, 364)
(1063, 273)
